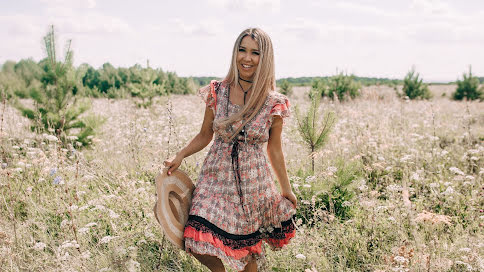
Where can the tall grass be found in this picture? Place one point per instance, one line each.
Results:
(412, 171)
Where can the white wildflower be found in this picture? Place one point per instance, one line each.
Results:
(39, 246)
(83, 230)
(64, 223)
(83, 208)
(470, 178)
(473, 151)
(92, 224)
(69, 244)
(310, 179)
(301, 256)
(391, 218)
(449, 191)
(434, 185)
(132, 265)
(86, 254)
(465, 249)
(400, 259)
(50, 138)
(64, 257)
(307, 186)
(107, 239)
(149, 234)
(112, 214)
(72, 138)
(456, 171)
(415, 177)
(474, 158)
(394, 188)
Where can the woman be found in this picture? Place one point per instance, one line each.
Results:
(236, 205)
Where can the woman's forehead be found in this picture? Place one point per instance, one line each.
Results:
(249, 42)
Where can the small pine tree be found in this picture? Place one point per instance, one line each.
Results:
(285, 87)
(343, 86)
(56, 108)
(414, 88)
(314, 133)
(468, 88)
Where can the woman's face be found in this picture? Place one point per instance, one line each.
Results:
(248, 57)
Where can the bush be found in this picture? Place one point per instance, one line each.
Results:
(328, 198)
(414, 88)
(285, 87)
(468, 88)
(340, 86)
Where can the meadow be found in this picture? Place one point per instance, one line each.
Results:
(403, 182)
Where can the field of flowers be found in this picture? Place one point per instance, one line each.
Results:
(398, 187)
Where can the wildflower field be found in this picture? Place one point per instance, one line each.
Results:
(397, 187)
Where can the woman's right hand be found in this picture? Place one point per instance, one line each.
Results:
(173, 163)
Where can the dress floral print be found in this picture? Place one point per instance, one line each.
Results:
(233, 211)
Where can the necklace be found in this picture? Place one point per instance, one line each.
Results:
(245, 91)
(248, 81)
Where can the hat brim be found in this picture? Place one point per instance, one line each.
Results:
(174, 195)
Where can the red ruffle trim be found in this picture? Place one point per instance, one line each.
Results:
(281, 109)
(214, 95)
(209, 238)
(236, 253)
(280, 243)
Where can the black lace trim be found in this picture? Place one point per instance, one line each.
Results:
(237, 241)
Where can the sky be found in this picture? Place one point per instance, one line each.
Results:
(375, 38)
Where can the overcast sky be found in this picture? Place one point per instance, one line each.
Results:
(380, 38)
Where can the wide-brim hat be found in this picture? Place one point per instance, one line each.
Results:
(173, 200)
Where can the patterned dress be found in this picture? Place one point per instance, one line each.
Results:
(236, 205)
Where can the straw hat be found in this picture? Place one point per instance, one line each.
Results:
(174, 196)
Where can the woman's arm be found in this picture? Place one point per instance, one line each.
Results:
(276, 158)
(199, 142)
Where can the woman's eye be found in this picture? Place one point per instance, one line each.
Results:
(241, 50)
(256, 53)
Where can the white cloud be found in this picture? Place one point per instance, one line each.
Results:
(210, 27)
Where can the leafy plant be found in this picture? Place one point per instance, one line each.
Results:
(468, 88)
(414, 88)
(342, 86)
(56, 108)
(314, 132)
(285, 87)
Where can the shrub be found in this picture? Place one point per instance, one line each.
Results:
(414, 88)
(285, 87)
(468, 88)
(333, 196)
(343, 86)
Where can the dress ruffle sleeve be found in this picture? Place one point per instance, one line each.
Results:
(281, 106)
(209, 94)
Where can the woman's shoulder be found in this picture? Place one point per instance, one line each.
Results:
(275, 98)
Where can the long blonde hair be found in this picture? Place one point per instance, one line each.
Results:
(263, 82)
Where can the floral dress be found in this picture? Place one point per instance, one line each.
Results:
(236, 205)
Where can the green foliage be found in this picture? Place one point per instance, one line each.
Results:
(56, 108)
(340, 86)
(285, 87)
(468, 88)
(314, 133)
(366, 81)
(334, 195)
(414, 88)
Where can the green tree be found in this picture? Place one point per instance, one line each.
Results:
(313, 132)
(413, 86)
(342, 86)
(56, 108)
(468, 88)
(285, 87)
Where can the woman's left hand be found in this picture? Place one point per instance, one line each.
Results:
(291, 197)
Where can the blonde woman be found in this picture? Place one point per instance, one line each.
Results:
(235, 205)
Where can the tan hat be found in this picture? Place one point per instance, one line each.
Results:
(174, 197)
